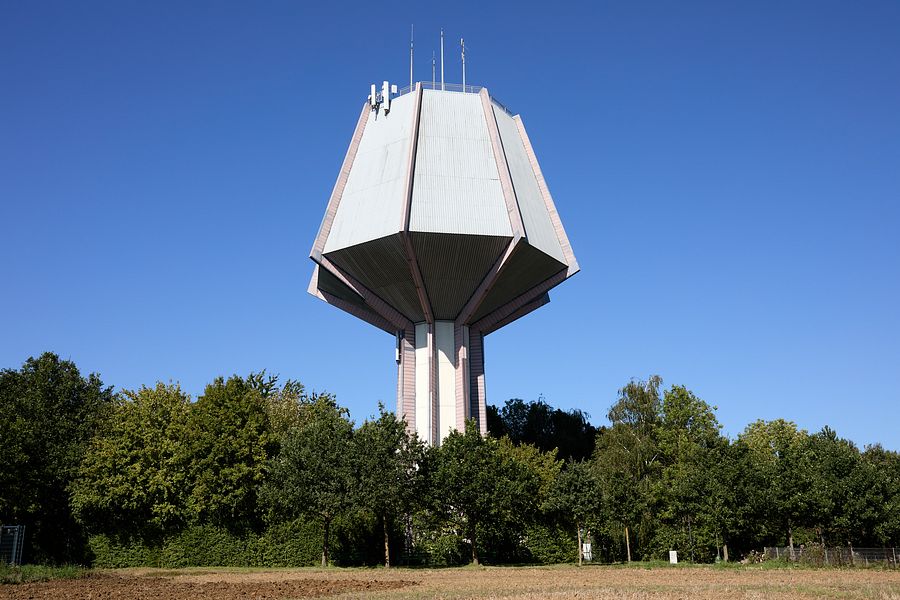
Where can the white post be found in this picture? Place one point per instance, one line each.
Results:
(462, 43)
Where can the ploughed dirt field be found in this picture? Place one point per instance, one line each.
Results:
(524, 583)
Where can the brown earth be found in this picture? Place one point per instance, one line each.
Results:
(520, 583)
(115, 587)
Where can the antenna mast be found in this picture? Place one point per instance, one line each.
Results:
(462, 43)
(411, 32)
(432, 69)
(442, 58)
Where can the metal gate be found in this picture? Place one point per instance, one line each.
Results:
(12, 538)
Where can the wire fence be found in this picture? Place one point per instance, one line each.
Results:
(454, 87)
(836, 557)
(12, 539)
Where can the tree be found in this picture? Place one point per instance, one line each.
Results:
(135, 474)
(780, 455)
(386, 465)
(228, 439)
(484, 485)
(569, 433)
(312, 475)
(627, 458)
(685, 499)
(575, 494)
(48, 414)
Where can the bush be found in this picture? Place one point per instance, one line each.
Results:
(205, 546)
(112, 552)
(550, 544)
(294, 544)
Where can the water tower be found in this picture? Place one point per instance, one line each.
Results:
(440, 230)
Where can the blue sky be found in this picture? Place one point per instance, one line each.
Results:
(728, 174)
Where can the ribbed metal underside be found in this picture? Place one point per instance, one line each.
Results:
(331, 284)
(453, 266)
(525, 268)
(382, 267)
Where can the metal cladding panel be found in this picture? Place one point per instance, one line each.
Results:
(539, 229)
(453, 266)
(407, 376)
(423, 382)
(456, 186)
(478, 392)
(371, 205)
(445, 344)
(381, 266)
(526, 268)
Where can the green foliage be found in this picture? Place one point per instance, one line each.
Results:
(551, 543)
(136, 471)
(569, 433)
(312, 475)
(296, 543)
(385, 464)
(48, 414)
(262, 474)
(228, 437)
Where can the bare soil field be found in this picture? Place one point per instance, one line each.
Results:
(522, 583)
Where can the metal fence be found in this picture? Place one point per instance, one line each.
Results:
(455, 87)
(837, 557)
(12, 539)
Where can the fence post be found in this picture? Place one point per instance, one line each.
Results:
(894, 551)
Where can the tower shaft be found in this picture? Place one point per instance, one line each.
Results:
(440, 382)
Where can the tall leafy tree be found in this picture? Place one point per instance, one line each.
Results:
(135, 474)
(387, 458)
(229, 437)
(48, 414)
(779, 453)
(627, 459)
(575, 495)
(569, 433)
(313, 474)
(684, 499)
(479, 487)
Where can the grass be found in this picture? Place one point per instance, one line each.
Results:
(30, 573)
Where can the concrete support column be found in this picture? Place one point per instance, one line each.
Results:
(437, 388)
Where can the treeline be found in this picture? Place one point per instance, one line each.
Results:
(261, 472)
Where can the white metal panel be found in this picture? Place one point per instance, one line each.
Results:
(456, 188)
(539, 229)
(446, 368)
(372, 202)
(423, 387)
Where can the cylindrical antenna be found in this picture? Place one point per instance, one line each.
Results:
(442, 58)
(432, 69)
(411, 32)
(462, 43)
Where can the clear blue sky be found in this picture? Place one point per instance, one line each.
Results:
(728, 173)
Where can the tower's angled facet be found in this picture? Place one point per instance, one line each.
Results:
(440, 229)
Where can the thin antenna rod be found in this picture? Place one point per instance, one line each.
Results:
(462, 43)
(411, 36)
(432, 69)
(442, 58)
